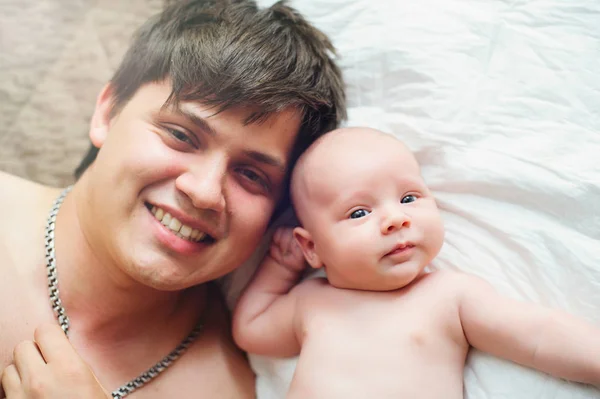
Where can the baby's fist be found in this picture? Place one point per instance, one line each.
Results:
(285, 249)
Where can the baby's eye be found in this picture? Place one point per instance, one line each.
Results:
(359, 213)
(408, 199)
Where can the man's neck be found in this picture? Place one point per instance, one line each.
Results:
(99, 298)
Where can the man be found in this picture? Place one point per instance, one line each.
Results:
(193, 140)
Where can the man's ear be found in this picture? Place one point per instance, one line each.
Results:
(304, 239)
(101, 118)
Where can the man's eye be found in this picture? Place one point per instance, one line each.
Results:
(179, 135)
(254, 177)
(359, 213)
(408, 199)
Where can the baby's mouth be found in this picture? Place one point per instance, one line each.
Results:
(400, 248)
(179, 229)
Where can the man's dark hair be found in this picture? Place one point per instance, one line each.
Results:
(231, 53)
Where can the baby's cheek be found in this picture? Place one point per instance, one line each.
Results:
(435, 236)
(357, 255)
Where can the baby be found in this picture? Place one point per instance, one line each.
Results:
(381, 326)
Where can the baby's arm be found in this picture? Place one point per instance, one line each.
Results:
(264, 320)
(547, 340)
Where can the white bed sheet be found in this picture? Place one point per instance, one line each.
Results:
(500, 100)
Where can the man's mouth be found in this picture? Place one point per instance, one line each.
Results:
(179, 229)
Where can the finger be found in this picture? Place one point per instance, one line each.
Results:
(28, 360)
(292, 245)
(285, 237)
(277, 235)
(54, 344)
(11, 383)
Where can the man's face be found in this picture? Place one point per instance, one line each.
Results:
(217, 179)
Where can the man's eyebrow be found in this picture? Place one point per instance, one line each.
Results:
(258, 156)
(267, 159)
(195, 119)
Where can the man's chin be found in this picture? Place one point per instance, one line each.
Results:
(162, 282)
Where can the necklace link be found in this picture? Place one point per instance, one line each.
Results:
(63, 319)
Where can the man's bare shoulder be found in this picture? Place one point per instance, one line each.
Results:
(19, 194)
(23, 200)
(12, 185)
(25, 205)
(21, 252)
(213, 367)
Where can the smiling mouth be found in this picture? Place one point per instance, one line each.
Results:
(181, 230)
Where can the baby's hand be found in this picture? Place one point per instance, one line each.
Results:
(286, 251)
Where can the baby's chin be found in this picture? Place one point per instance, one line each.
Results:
(388, 279)
(379, 284)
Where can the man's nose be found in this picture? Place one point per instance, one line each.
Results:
(203, 183)
(395, 219)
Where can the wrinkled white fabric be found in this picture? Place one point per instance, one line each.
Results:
(500, 100)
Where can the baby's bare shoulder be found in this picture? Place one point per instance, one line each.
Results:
(456, 285)
(313, 293)
(311, 286)
(453, 279)
(446, 285)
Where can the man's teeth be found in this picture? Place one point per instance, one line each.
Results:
(181, 230)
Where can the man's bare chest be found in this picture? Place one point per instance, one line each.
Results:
(24, 307)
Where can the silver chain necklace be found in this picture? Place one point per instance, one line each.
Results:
(63, 319)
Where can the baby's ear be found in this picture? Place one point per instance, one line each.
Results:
(304, 239)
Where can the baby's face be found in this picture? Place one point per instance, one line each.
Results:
(374, 223)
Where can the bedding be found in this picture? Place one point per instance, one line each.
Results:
(500, 101)
(55, 56)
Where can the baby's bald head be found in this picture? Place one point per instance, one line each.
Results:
(323, 162)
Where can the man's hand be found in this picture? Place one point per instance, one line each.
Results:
(49, 368)
(286, 251)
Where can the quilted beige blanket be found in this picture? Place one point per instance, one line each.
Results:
(55, 56)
